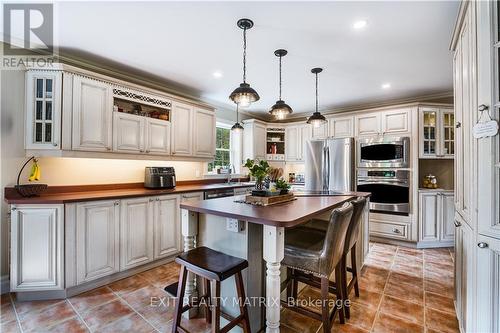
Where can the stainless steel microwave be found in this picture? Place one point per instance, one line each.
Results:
(384, 152)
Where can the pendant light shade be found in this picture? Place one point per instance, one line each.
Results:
(280, 110)
(237, 127)
(244, 95)
(316, 119)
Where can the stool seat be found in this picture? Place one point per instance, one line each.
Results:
(211, 264)
(303, 248)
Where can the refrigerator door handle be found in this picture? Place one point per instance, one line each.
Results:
(323, 176)
(327, 180)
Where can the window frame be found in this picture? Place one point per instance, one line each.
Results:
(227, 126)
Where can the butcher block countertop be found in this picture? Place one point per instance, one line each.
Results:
(68, 194)
(286, 214)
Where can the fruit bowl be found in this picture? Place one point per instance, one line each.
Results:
(30, 190)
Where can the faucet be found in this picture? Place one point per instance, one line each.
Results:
(232, 170)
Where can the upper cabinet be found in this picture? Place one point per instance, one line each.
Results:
(92, 115)
(182, 132)
(341, 127)
(320, 132)
(295, 139)
(436, 133)
(43, 109)
(367, 124)
(391, 122)
(204, 133)
(254, 140)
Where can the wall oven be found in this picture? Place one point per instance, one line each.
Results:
(384, 152)
(390, 189)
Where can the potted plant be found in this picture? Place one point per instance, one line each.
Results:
(283, 186)
(258, 171)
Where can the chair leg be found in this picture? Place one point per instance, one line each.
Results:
(179, 302)
(216, 309)
(241, 299)
(295, 286)
(339, 294)
(325, 313)
(345, 292)
(208, 292)
(289, 284)
(354, 270)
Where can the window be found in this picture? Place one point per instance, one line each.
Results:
(222, 148)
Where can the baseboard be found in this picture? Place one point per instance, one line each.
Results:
(392, 241)
(4, 284)
(428, 245)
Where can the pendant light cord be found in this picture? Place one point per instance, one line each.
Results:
(280, 77)
(237, 107)
(316, 92)
(244, 55)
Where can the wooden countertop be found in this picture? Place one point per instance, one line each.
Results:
(286, 215)
(108, 192)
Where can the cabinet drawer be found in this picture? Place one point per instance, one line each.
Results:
(389, 230)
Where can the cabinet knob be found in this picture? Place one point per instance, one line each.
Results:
(482, 245)
(148, 151)
(117, 203)
(13, 208)
(157, 199)
(151, 199)
(55, 144)
(457, 224)
(482, 108)
(396, 231)
(108, 148)
(458, 125)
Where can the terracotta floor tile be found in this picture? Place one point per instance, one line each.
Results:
(132, 323)
(299, 322)
(439, 302)
(368, 271)
(441, 321)
(130, 284)
(23, 308)
(9, 327)
(346, 328)
(376, 263)
(408, 279)
(403, 309)
(160, 276)
(407, 269)
(388, 248)
(196, 325)
(386, 323)
(442, 288)
(92, 298)
(441, 277)
(286, 329)
(410, 251)
(361, 316)
(73, 325)
(412, 293)
(7, 313)
(409, 260)
(37, 320)
(102, 315)
(367, 298)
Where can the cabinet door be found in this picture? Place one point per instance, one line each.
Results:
(447, 216)
(428, 216)
(97, 239)
(204, 133)
(464, 275)
(292, 139)
(395, 121)
(305, 135)
(37, 251)
(157, 136)
(428, 132)
(446, 133)
(43, 110)
(167, 226)
(182, 129)
(128, 133)
(260, 141)
(341, 127)
(92, 115)
(136, 232)
(320, 132)
(367, 124)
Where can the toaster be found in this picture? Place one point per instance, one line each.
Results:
(159, 177)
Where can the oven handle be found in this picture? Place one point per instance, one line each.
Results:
(387, 182)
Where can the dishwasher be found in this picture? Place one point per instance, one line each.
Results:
(218, 193)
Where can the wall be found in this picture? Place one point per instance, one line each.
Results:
(442, 169)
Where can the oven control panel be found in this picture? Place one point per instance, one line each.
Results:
(383, 174)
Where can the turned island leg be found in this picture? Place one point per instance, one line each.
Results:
(189, 233)
(274, 244)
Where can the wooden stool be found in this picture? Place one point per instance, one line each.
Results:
(215, 267)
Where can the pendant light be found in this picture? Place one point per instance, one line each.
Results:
(280, 110)
(237, 127)
(244, 95)
(317, 119)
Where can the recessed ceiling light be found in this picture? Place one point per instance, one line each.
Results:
(359, 24)
(217, 74)
(386, 86)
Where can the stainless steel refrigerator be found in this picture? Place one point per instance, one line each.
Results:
(329, 165)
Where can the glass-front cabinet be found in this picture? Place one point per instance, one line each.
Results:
(436, 133)
(43, 109)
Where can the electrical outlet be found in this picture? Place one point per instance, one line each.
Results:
(233, 225)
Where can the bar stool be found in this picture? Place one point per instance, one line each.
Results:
(311, 255)
(213, 267)
(352, 237)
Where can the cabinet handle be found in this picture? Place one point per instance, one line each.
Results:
(482, 108)
(151, 199)
(458, 125)
(108, 148)
(55, 144)
(147, 151)
(157, 199)
(396, 231)
(13, 208)
(482, 245)
(117, 203)
(457, 224)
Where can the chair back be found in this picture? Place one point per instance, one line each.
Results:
(333, 247)
(352, 236)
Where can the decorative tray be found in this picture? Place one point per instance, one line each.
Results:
(267, 201)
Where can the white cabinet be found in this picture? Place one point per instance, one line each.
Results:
(436, 216)
(167, 228)
(395, 121)
(97, 239)
(254, 140)
(182, 129)
(128, 134)
(367, 124)
(204, 133)
(157, 137)
(37, 252)
(43, 109)
(295, 139)
(92, 115)
(320, 132)
(436, 133)
(341, 127)
(136, 232)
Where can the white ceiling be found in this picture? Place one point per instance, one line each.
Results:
(404, 43)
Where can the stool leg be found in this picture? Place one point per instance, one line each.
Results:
(208, 292)
(289, 290)
(179, 302)
(345, 292)
(354, 270)
(216, 309)
(295, 286)
(339, 294)
(325, 313)
(241, 299)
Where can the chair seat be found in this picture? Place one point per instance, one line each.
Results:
(303, 248)
(211, 264)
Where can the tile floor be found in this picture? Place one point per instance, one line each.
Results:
(402, 290)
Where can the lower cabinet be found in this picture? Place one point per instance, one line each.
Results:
(37, 238)
(167, 227)
(97, 239)
(436, 216)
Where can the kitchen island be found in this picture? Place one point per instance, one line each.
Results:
(204, 223)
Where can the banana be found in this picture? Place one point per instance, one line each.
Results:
(32, 172)
(38, 172)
